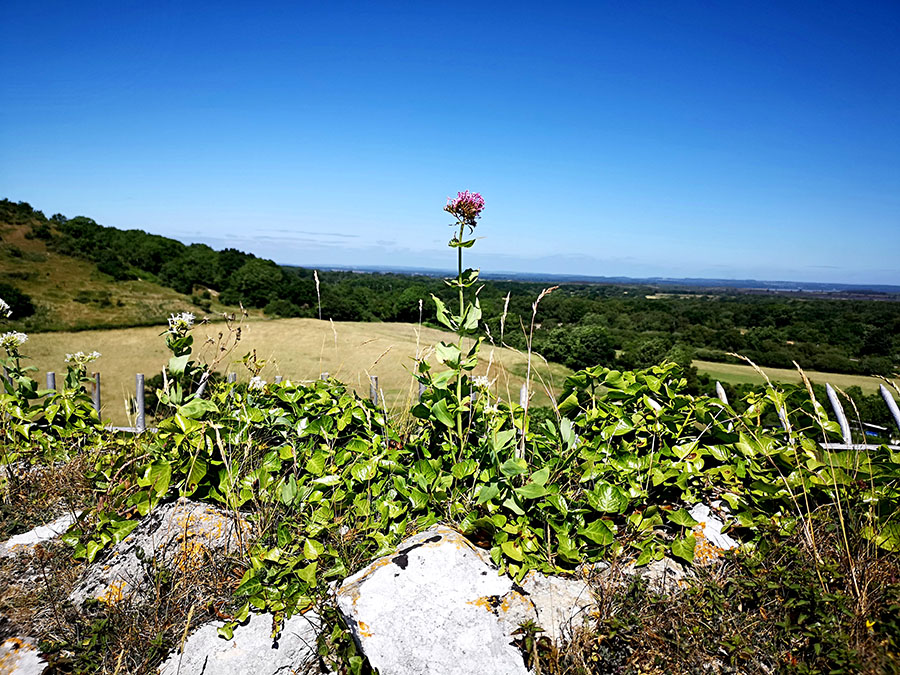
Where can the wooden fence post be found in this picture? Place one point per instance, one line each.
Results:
(141, 419)
(51, 380)
(891, 404)
(96, 395)
(839, 413)
(373, 389)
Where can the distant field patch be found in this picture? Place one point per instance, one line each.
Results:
(734, 373)
(298, 349)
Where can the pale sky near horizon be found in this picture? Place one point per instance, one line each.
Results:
(681, 139)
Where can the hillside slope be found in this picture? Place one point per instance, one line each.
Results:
(71, 293)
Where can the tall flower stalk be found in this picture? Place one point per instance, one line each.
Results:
(449, 406)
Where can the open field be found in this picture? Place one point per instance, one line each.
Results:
(735, 373)
(298, 349)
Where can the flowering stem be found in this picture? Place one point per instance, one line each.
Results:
(459, 277)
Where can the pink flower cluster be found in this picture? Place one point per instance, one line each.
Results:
(466, 207)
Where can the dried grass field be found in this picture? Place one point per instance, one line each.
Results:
(297, 349)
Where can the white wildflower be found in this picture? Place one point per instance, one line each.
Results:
(5, 309)
(256, 382)
(81, 359)
(11, 341)
(481, 382)
(181, 323)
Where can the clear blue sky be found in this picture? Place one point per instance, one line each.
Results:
(728, 139)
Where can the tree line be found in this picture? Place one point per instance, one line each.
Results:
(578, 324)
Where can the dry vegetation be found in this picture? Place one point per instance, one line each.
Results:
(298, 349)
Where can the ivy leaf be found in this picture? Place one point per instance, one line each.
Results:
(514, 467)
(684, 548)
(598, 532)
(487, 493)
(511, 550)
(531, 491)
(607, 498)
(682, 517)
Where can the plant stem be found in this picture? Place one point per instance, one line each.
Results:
(459, 333)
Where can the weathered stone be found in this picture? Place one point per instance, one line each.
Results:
(25, 542)
(436, 606)
(662, 576)
(562, 604)
(251, 650)
(19, 656)
(711, 542)
(177, 536)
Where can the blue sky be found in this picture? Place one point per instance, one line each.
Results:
(731, 140)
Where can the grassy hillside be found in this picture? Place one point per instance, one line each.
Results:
(72, 294)
(300, 349)
(735, 373)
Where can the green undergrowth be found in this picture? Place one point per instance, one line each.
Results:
(330, 481)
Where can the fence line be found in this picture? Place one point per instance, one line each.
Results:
(376, 396)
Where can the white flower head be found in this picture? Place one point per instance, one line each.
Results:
(80, 359)
(181, 323)
(5, 309)
(481, 382)
(256, 382)
(11, 342)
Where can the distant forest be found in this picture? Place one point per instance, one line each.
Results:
(578, 324)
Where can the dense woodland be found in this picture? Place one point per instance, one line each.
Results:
(578, 324)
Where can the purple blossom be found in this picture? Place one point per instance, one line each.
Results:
(466, 207)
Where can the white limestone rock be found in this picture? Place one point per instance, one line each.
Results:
(562, 604)
(251, 650)
(19, 656)
(177, 536)
(25, 542)
(438, 607)
(662, 576)
(711, 527)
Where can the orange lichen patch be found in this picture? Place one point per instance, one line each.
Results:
(486, 603)
(364, 629)
(10, 654)
(115, 593)
(510, 599)
(705, 552)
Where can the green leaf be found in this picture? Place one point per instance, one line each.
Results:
(684, 548)
(514, 467)
(196, 407)
(308, 573)
(682, 517)
(487, 493)
(177, 364)
(442, 315)
(448, 354)
(464, 468)
(442, 414)
(312, 549)
(531, 491)
(607, 498)
(598, 532)
(541, 476)
(512, 551)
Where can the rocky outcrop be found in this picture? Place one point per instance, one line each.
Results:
(19, 656)
(251, 650)
(438, 605)
(25, 542)
(178, 536)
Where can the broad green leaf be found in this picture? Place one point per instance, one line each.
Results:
(684, 548)
(487, 492)
(598, 532)
(682, 517)
(607, 498)
(442, 414)
(531, 491)
(511, 550)
(514, 467)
